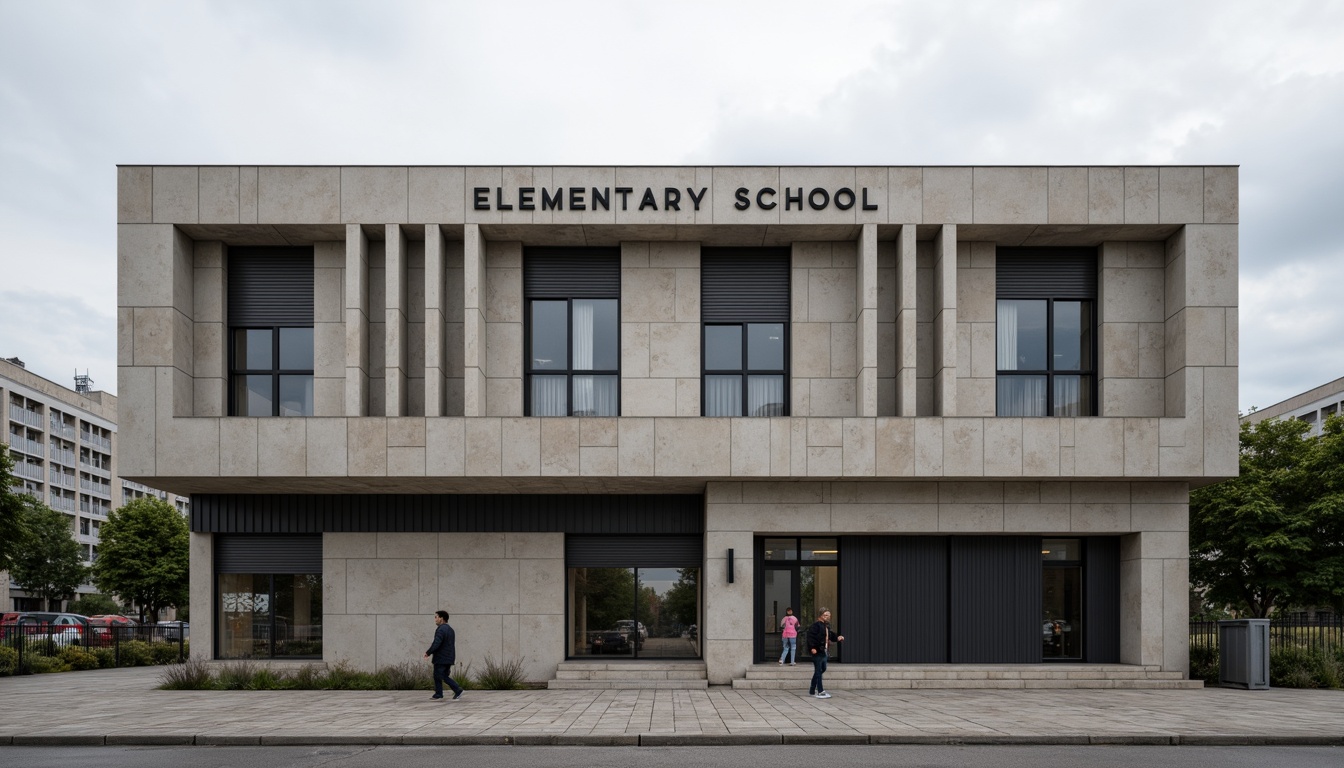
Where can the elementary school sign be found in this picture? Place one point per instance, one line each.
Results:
(671, 199)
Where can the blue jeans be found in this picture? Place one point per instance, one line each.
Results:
(790, 649)
(441, 672)
(818, 668)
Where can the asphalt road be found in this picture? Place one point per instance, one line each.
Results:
(672, 757)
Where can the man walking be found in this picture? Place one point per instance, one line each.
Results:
(443, 651)
(819, 639)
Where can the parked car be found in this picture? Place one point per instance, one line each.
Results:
(102, 627)
(610, 641)
(62, 628)
(628, 625)
(173, 631)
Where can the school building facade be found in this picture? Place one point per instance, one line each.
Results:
(633, 413)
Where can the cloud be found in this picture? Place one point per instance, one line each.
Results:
(56, 334)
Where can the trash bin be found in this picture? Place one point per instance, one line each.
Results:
(1243, 653)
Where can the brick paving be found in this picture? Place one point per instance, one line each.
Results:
(123, 706)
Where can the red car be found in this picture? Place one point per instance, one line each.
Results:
(101, 628)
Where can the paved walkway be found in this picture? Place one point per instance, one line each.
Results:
(123, 707)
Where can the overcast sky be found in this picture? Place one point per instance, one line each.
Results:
(85, 86)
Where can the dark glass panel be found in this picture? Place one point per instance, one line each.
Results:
(1072, 335)
(1021, 335)
(723, 347)
(296, 349)
(298, 615)
(252, 395)
(296, 395)
(550, 342)
(601, 598)
(820, 549)
(596, 335)
(1062, 549)
(1062, 604)
(765, 347)
(666, 613)
(1021, 395)
(252, 349)
(781, 549)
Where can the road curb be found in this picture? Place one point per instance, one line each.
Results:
(677, 740)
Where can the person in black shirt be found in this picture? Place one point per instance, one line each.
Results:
(443, 651)
(819, 639)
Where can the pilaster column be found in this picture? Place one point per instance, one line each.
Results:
(435, 348)
(945, 322)
(866, 383)
(356, 321)
(906, 339)
(394, 381)
(473, 327)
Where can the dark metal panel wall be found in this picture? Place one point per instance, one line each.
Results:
(1057, 273)
(337, 513)
(572, 273)
(1101, 600)
(995, 600)
(270, 286)
(634, 551)
(894, 593)
(744, 285)
(268, 554)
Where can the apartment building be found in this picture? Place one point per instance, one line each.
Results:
(64, 443)
(631, 414)
(1312, 407)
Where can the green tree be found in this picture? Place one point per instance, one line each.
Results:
(94, 605)
(143, 555)
(1271, 536)
(13, 531)
(51, 566)
(1323, 581)
(681, 600)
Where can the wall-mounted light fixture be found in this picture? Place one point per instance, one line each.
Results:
(730, 566)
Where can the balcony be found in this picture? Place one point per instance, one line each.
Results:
(24, 445)
(30, 471)
(62, 503)
(91, 467)
(63, 430)
(63, 455)
(103, 489)
(25, 416)
(88, 438)
(62, 479)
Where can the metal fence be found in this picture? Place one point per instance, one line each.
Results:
(1321, 633)
(127, 646)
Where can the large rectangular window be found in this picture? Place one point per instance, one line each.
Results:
(270, 318)
(573, 318)
(745, 316)
(1045, 332)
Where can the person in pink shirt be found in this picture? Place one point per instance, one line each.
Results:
(789, 633)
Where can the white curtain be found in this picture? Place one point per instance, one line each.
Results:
(1021, 396)
(595, 395)
(1068, 400)
(765, 395)
(1007, 331)
(723, 395)
(548, 396)
(583, 359)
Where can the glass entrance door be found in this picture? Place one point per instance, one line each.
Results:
(802, 574)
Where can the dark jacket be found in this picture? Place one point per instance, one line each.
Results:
(444, 648)
(817, 635)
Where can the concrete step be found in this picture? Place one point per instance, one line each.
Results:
(627, 685)
(634, 664)
(630, 674)
(963, 672)
(983, 684)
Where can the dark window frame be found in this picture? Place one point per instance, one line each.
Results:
(275, 371)
(569, 371)
(1078, 285)
(746, 371)
(1081, 564)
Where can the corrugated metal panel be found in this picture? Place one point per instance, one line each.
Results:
(995, 606)
(572, 273)
(1040, 273)
(565, 513)
(893, 597)
(1101, 600)
(744, 285)
(268, 554)
(270, 286)
(634, 551)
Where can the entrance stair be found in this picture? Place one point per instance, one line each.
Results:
(630, 675)
(846, 677)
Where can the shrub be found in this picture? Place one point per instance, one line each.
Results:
(107, 658)
(501, 676)
(236, 675)
(343, 678)
(1204, 663)
(309, 677)
(78, 658)
(194, 675)
(136, 653)
(407, 677)
(34, 664)
(164, 653)
(9, 661)
(265, 679)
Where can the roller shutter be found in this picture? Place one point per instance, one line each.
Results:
(572, 273)
(270, 287)
(1055, 273)
(634, 551)
(268, 554)
(744, 285)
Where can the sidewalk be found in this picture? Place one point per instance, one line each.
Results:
(122, 707)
